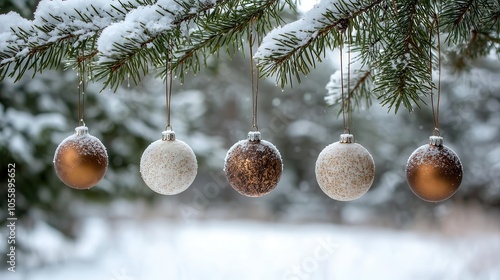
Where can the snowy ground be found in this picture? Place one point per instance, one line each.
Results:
(160, 249)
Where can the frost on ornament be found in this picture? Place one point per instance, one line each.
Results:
(253, 167)
(434, 171)
(81, 160)
(168, 166)
(345, 170)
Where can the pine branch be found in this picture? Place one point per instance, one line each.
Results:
(460, 18)
(57, 29)
(361, 88)
(139, 46)
(126, 40)
(473, 26)
(229, 31)
(359, 91)
(294, 49)
(403, 75)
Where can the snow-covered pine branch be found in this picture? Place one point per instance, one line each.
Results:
(145, 37)
(393, 39)
(125, 39)
(57, 30)
(295, 48)
(230, 31)
(357, 90)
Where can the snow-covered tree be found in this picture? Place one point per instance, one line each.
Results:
(123, 40)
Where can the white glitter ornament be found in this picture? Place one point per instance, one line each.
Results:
(168, 166)
(345, 170)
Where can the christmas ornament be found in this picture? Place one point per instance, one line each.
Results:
(168, 166)
(81, 160)
(345, 170)
(434, 171)
(253, 167)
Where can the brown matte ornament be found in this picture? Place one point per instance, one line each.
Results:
(253, 167)
(81, 160)
(434, 172)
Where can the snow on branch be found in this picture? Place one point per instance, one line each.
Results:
(98, 30)
(296, 47)
(301, 32)
(57, 27)
(144, 24)
(129, 47)
(10, 40)
(231, 29)
(81, 18)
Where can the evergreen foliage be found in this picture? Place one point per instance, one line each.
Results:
(393, 39)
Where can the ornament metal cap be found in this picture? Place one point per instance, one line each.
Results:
(436, 141)
(254, 136)
(81, 130)
(168, 135)
(346, 138)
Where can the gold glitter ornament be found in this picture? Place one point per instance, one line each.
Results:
(168, 166)
(81, 160)
(434, 171)
(345, 170)
(253, 167)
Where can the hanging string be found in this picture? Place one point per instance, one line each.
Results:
(346, 126)
(81, 93)
(349, 82)
(168, 85)
(395, 7)
(257, 75)
(435, 111)
(255, 81)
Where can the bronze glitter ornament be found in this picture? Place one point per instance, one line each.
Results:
(434, 171)
(81, 160)
(345, 170)
(253, 167)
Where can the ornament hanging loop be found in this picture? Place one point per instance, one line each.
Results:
(168, 135)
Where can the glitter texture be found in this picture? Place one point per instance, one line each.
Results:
(81, 160)
(253, 168)
(434, 172)
(345, 171)
(168, 167)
